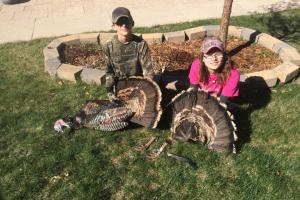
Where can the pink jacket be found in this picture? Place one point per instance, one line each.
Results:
(229, 89)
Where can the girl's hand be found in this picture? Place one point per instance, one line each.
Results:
(194, 88)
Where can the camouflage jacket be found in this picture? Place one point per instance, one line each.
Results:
(125, 60)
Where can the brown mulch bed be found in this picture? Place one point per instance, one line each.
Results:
(172, 56)
(88, 55)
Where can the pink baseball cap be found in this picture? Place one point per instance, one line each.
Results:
(210, 43)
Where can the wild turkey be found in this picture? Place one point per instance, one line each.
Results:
(200, 118)
(138, 101)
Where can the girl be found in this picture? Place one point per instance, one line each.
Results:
(214, 71)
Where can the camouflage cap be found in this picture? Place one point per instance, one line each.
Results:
(121, 12)
(210, 43)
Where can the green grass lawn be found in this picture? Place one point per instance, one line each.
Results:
(36, 163)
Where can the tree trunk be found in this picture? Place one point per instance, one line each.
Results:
(225, 21)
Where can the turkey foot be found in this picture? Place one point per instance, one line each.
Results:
(154, 154)
(144, 147)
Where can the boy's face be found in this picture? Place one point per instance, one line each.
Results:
(123, 26)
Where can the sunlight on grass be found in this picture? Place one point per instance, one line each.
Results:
(36, 163)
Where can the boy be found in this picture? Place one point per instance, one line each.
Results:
(126, 54)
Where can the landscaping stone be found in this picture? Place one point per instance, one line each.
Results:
(50, 53)
(277, 47)
(93, 76)
(69, 72)
(56, 44)
(171, 86)
(298, 80)
(71, 39)
(175, 82)
(290, 54)
(104, 37)
(286, 71)
(51, 66)
(243, 78)
(195, 33)
(212, 30)
(235, 31)
(151, 38)
(88, 37)
(177, 86)
(176, 37)
(138, 34)
(267, 41)
(262, 79)
(247, 34)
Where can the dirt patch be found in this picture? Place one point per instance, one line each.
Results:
(249, 58)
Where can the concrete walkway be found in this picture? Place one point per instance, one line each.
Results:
(46, 18)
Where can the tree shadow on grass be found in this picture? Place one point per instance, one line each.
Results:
(254, 92)
(283, 27)
(254, 98)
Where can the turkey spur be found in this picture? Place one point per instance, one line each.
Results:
(138, 101)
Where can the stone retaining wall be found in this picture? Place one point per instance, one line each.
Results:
(284, 72)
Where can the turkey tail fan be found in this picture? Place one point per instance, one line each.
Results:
(143, 96)
(199, 117)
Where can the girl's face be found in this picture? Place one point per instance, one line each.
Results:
(213, 59)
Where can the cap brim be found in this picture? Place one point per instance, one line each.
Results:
(207, 50)
(117, 18)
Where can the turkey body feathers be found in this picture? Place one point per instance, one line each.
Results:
(108, 116)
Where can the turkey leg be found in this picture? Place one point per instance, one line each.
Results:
(144, 147)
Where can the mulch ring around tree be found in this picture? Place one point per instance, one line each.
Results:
(172, 57)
